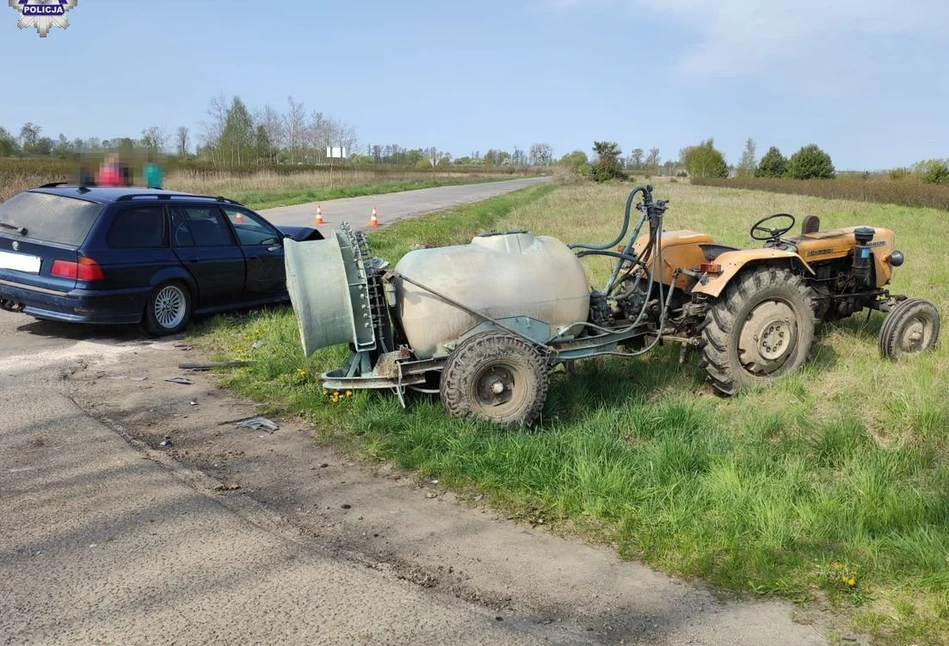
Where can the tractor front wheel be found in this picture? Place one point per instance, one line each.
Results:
(759, 328)
(911, 327)
(495, 376)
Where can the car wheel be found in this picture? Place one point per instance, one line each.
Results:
(169, 309)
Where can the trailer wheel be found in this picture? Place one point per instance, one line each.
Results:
(495, 376)
(911, 327)
(760, 328)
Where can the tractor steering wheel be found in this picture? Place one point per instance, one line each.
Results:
(776, 232)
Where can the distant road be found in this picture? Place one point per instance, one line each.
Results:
(391, 207)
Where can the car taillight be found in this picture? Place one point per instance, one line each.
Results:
(85, 269)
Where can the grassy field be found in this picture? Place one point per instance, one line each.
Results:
(830, 488)
(905, 191)
(260, 190)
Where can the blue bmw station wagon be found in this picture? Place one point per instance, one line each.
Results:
(134, 255)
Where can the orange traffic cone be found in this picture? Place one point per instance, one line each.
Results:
(374, 218)
(238, 219)
(319, 216)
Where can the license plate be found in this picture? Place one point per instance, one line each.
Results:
(20, 262)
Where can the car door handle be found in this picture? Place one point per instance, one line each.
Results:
(192, 259)
(274, 248)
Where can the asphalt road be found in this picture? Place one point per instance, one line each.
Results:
(106, 542)
(391, 207)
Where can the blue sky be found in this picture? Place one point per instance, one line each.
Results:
(863, 79)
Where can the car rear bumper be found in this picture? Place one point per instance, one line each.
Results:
(77, 305)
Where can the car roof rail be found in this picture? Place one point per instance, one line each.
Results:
(132, 196)
(168, 196)
(53, 184)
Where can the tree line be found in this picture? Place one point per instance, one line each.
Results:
(233, 135)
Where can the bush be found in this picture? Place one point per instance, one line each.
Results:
(934, 171)
(810, 162)
(898, 173)
(607, 165)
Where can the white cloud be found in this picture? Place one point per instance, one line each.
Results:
(734, 37)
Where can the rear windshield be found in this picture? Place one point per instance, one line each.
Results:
(49, 218)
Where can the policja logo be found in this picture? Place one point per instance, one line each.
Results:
(43, 14)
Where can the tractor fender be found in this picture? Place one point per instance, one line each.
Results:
(732, 262)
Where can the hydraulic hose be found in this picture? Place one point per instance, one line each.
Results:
(622, 235)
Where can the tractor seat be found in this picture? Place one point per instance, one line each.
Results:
(810, 224)
(711, 251)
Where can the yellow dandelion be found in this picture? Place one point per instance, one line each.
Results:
(851, 582)
(349, 393)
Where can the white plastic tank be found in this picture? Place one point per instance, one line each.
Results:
(499, 275)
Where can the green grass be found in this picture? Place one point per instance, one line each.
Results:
(269, 199)
(829, 488)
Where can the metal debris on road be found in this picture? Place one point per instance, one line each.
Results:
(180, 380)
(165, 443)
(207, 365)
(193, 402)
(257, 424)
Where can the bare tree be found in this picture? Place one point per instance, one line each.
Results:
(652, 161)
(181, 139)
(541, 155)
(273, 124)
(636, 158)
(154, 138)
(29, 135)
(319, 134)
(213, 129)
(296, 129)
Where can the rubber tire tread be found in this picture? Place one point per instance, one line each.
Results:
(887, 339)
(720, 329)
(480, 351)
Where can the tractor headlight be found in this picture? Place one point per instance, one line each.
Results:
(896, 258)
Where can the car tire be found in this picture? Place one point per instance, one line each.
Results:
(169, 309)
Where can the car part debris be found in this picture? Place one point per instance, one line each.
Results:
(257, 423)
(208, 365)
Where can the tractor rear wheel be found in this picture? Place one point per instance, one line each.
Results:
(495, 376)
(759, 328)
(911, 327)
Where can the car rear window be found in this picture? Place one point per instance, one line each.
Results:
(49, 218)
